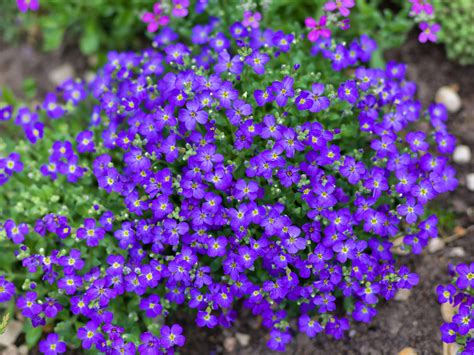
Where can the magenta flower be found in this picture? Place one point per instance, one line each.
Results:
(319, 29)
(428, 32)
(342, 5)
(25, 5)
(419, 6)
(251, 20)
(155, 19)
(180, 8)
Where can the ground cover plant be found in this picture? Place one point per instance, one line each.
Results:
(227, 165)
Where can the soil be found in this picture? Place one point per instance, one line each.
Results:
(399, 324)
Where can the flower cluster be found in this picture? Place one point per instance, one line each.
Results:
(162, 10)
(225, 176)
(459, 294)
(423, 12)
(25, 5)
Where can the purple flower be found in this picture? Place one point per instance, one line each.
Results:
(310, 326)
(155, 19)
(172, 336)
(6, 113)
(91, 233)
(25, 5)
(446, 293)
(16, 232)
(90, 335)
(411, 210)
(51, 307)
(52, 345)
(257, 61)
(348, 91)
(363, 313)
(34, 131)
(85, 142)
(320, 103)
(11, 164)
(449, 332)
(52, 108)
(227, 63)
(318, 29)
(342, 5)
(70, 283)
(466, 276)
(28, 305)
(278, 340)
(7, 290)
(151, 305)
(136, 161)
(283, 90)
(352, 170)
(428, 32)
(251, 19)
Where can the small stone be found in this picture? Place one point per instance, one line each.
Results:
(462, 154)
(408, 351)
(436, 244)
(60, 74)
(457, 252)
(450, 349)
(10, 350)
(23, 350)
(352, 333)
(243, 339)
(12, 332)
(470, 181)
(402, 295)
(450, 98)
(230, 343)
(448, 312)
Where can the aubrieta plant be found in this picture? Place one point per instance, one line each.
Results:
(229, 168)
(460, 294)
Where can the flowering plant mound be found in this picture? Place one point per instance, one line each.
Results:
(459, 294)
(229, 166)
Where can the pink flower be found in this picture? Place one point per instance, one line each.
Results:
(251, 20)
(342, 5)
(419, 6)
(155, 19)
(24, 5)
(318, 29)
(180, 8)
(428, 32)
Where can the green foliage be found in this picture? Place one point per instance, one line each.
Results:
(97, 26)
(457, 30)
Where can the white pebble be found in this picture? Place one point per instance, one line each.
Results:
(435, 244)
(450, 98)
(470, 181)
(462, 154)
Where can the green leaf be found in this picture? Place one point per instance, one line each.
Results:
(33, 335)
(89, 42)
(8, 96)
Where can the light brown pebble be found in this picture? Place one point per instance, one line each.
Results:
(408, 351)
(448, 312)
(402, 295)
(230, 343)
(436, 244)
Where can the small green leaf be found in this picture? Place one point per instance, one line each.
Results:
(89, 42)
(33, 335)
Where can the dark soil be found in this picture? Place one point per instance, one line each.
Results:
(399, 324)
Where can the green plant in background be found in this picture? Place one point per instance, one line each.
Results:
(457, 34)
(97, 26)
